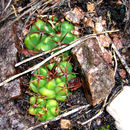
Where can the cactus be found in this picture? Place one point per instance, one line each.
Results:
(43, 109)
(50, 81)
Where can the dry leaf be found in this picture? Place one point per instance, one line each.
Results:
(75, 16)
(90, 7)
(89, 22)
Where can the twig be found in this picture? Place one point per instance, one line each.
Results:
(121, 59)
(101, 47)
(47, 59)
(7, 5)
(94, 117)
(36, 56)
(15, 12)
(43, 10)
(60, 116)
(116, 64)
(98, 114)
(30, 4)
(35, 7)
(72, 44)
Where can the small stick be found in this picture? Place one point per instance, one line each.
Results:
(28, 6)
(121, 59)
(116, 64)
(60, 116)
(98, 114)
(35, 7)
(72, 44)
(36, 56)
(7, 5)
(101, 47)
(15, 12)
(42, 63)
(94, 117)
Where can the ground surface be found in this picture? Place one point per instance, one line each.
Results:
(13, 111)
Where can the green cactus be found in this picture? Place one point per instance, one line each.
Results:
(49, 81)
(43, 109)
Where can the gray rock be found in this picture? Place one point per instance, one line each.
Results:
(11, 116)
(8, 58)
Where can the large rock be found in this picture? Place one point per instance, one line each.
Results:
(8, 58)
(94, 68)
(12, 115)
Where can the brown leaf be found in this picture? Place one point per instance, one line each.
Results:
(89, 22)
(90, 7)
(75, 15)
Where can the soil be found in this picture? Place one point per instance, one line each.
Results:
(13, 109)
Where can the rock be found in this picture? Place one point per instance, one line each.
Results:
(117, 43)
(11, 115)
(12, 89)
(97, 74)
(104, 40)
(65, 124)
(119, 109)
(8, 57)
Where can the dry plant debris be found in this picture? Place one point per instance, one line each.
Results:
(90, 7)
(75, 15)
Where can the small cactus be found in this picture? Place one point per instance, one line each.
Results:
(50, 81)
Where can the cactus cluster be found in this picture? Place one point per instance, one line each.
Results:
(50, 81)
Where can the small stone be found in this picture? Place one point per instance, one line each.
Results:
(103, 22)
(122, 73)
(104, 40)
(119, 109)
(117, 43)
(45, 126)
(98, 27)
(65, 124)
(98, 121)
(97, 73)
(77, 33)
